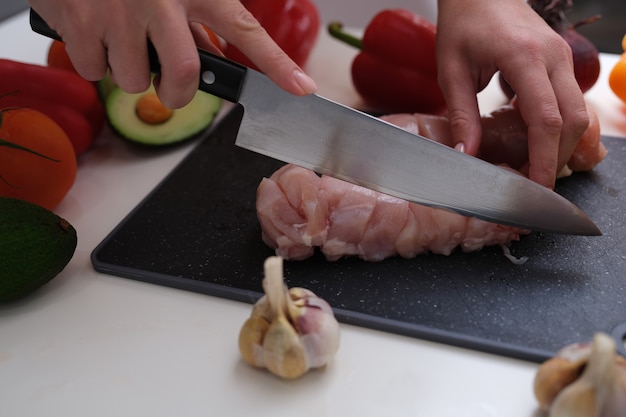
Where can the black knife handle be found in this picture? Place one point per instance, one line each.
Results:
(218, 76)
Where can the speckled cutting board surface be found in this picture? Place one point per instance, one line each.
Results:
(198, 231)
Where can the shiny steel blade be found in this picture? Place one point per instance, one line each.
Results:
(335, 140)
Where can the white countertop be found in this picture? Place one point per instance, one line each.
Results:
(88, 344)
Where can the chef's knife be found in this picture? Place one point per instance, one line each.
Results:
(333, 139)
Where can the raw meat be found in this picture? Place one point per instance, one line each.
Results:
(300, 211)
(343, 219)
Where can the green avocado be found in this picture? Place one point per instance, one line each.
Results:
(35, 245)
(184, 123)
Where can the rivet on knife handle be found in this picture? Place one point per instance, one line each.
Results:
(218, 76)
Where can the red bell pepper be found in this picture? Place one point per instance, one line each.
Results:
(293, 24)
(396, 70)
(62, 95)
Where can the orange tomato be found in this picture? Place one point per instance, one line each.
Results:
(58, 58)
(617, 77)
(37, 159)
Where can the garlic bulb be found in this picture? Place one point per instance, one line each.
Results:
(583, 380)
(289, 331)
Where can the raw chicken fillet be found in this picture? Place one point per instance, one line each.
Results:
(300, 211)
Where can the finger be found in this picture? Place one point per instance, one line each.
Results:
(82, 44)
(573, 112)
(180, 64)
(539, 108)
(458, 89)
(128, 58)
(88, 55)
(239, 27)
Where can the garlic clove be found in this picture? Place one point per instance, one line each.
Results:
(320, 347)
(554, 375)
(578, 400)
(283, 352)
(616, 403)
(315, 322)
(251, 338)
(599, 391)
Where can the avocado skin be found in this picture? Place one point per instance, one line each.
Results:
(35, 245)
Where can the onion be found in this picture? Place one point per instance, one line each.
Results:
(584, 52)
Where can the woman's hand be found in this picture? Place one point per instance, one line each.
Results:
(112, 34)
(477, 38)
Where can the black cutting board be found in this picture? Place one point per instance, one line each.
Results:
(198, 231)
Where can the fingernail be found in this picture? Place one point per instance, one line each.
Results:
(460, 147)
(306, 83)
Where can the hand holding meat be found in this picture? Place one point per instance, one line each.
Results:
(477, 38)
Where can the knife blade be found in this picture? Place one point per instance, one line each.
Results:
(332, 139)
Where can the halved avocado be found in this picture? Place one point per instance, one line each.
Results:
(179, 125)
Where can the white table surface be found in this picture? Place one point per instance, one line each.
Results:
(88, 344)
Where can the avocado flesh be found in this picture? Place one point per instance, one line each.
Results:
(185, 123)
(35, 245)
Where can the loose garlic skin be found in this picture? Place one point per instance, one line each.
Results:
(288, 331)
(583, 380)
